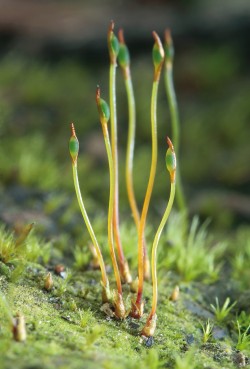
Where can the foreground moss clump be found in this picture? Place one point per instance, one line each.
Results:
(66, 327)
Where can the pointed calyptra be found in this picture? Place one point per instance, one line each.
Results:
(171, 160)
(158, 56)
(113, 44)
(169, 48)
(103, 108)
(73, 145)
(123, 56)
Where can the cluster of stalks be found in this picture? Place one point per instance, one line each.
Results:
(118, 52)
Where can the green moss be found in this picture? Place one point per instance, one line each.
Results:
(67, 329)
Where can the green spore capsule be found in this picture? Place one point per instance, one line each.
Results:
(102, 106)
(158, 51)
(104, 110)
(113, 43)
(171, 160)
(123, 56)
(73, 145)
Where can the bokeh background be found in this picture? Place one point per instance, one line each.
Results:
(52, 56)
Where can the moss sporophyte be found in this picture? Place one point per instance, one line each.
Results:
(107, 113)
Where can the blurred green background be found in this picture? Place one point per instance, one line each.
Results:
(52, 56)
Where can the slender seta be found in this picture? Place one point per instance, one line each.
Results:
(174, 115)
(124, 62)
(104, 115)
(74, 149)
(150, 326)
(158, 60)
(113, 46)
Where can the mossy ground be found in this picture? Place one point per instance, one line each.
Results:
(67, 327)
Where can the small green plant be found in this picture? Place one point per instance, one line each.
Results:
(221, 313)
(94, 334)
(193, 254)
(12, 247)
(62, 284)
(186, 361)
(243, 319)
(81, 257)
(207, 330)
(85, 316)
(151, 360)
(8, 250)
(241, 258)
(23, 247)
(243, 337)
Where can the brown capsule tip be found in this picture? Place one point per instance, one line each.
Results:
(169, 142)
(73, 132)
(98, 93)
(167, 36)
(111, 26)
(121, 36)
(156, 38)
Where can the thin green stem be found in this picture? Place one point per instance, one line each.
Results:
(172, 106)
(129, 164)
(130, 151)
(175, 124)
(124, 61)
(150, 326)
(158, 58)
(111, 208)
(113, 119)
(148, 192)
(105, 281)
(155, 245)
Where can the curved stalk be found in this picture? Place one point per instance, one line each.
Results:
(111, 207)
(104, 117)
(113, 51)
(158, 57)
(174, 115)
(124, 61)
(74, 146)
(150, 326)
(155, 244)
(130, 152)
